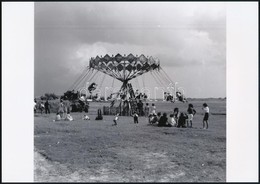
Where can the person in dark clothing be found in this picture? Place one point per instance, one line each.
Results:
(182, 120)
(163, 120)
(135, 115)
(99, 116)
(47, 107)
(140, 107)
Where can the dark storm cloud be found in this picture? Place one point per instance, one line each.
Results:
(179, 34)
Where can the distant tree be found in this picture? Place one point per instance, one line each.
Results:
(50, 96)
(43, 98)
(54, 96)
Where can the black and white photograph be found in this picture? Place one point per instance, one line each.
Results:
(130, 92)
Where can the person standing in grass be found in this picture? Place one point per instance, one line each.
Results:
(153, 109)
(191, 112)
(41, 107)
(206, 116)
(176, 114)
(135, 115)
(61, 108)
(146, 110)
(35, 105)
(47, 107)
(115, 119)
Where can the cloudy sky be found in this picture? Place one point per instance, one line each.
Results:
(189, 39)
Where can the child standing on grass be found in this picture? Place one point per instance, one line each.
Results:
(135, 115)
(146, 110)
(176, 114)
(61, 108)
(191, 113)
(116, 118)
(206, 116)
(153, 109)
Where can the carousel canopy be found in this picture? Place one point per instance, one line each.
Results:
(124, 68)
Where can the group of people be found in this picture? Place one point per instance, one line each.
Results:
(178, 119)
(140, 96)
(42, 106)
(63, 112)
(170, 97)
(144, 110)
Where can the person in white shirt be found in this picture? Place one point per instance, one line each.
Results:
(58, 118)
(35, 106)
(206, 116)
(86, 117)
(116, 118)
(41, 107)
(172, 121)
(68, 117)
(153, 109)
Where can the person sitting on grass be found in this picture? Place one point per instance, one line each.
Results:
(163, 120)
(135, 115)
(172, 121)
(86, 117)
(206, 116)
(182, 120)
(156, 119)
(150, 118)
(68, 117)
(115, 119)
(58, 118)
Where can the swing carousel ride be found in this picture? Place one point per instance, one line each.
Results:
(124, 69)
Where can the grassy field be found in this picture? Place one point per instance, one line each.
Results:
(91, 151)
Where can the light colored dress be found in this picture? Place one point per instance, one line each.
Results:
(154, 110)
